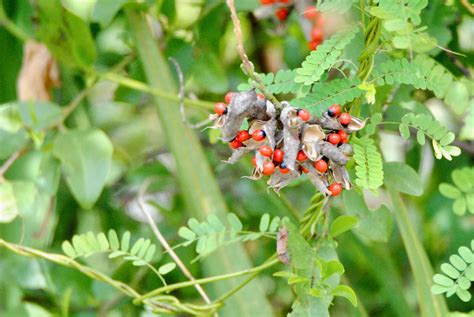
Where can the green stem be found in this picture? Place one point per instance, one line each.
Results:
(207, 280)
(11, 27)
(430, 305)
(137, 85)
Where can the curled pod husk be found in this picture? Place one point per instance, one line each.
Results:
(292, 125)
(340, 174)
(319, 181)
(243, 105)
(356, 124)
(269, 127)
(312, 135)
(278, 180)
(333, 153)
(327, 122)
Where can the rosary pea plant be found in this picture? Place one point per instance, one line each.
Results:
(344, 186)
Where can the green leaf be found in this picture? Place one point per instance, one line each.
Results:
(234, 222)
(459, 206)
(66, 35)
(186, 234)
(125, 243)
(137, 246)
(39, 115)
(402, 178)
(264, 222)
(114, 240)
(105, 10)
(346, 292)
(333, 267)
(209, 74)
(457, 97)
(449, 191)
(404, 131)
(166, 268)
(8, 206)
(85, 158)
(68, 249)
(342, 224)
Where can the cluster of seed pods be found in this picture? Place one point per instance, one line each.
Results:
(288, 142)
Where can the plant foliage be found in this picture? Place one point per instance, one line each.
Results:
(461, 191)
(369, 165)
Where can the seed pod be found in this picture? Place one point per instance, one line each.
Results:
(292, 125)
(356, 124)
(327, 122)
(340, 175)
(237, 154)
(311, 136)
(319, 181)
(278, 180)
(333, 153)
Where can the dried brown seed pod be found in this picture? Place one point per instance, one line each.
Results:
(340, 175)
(312, 135)
(333, 153)
(279, 180)
(319, 181)
(292, 125)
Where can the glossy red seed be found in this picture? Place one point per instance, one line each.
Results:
(267, 2)
(334, 110)
(242, 136)
(260, 96)
(345, 119)
(304, 170)
(334, 138)
(304, 114)
(335, 189)
(265, 150)
(282, 14)
(343, 135)
(220, 108)
(228, 97)
(301, 156)
(321, 166)
(258, 135)
(284, 170)
(311, 13)
(278, 156)
(317, 34)
(235, 144)
(268, 168)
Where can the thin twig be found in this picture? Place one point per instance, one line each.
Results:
(247, 66)
(468, 6)
(165, 244)
(181, 98)
(8, 163)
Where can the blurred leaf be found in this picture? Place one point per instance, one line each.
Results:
(449, 190)
(39, 115)
(8, 206)
(342, 224)
(105, 10)
(166, 268)
(246, 5)
(457, 97)
(208, 73)
(85, 159)
(66, 35)
(346, 292)
(402, 178)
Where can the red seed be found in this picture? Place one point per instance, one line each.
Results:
(314, 44)
(303, 114)
(282, 14)
(311, 13)
(284, 170)
(278, 156)
(235, 144)
(334, 138)
(267, 2)
(220, 108)
(260, 96)
(301, 156)
(334, 110)
(268, 168)
(258, 135)
(345, 119)
(317, 34)
(228, 97)
(304, 170)
(321, 166)
(343, 135)
(254, 161)
(335, 189)
(242, 136)
(265, 150)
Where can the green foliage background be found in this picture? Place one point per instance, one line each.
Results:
(82, 171)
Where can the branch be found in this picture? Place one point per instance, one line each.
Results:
(165, 244)
(8, 163)
(247, 65)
